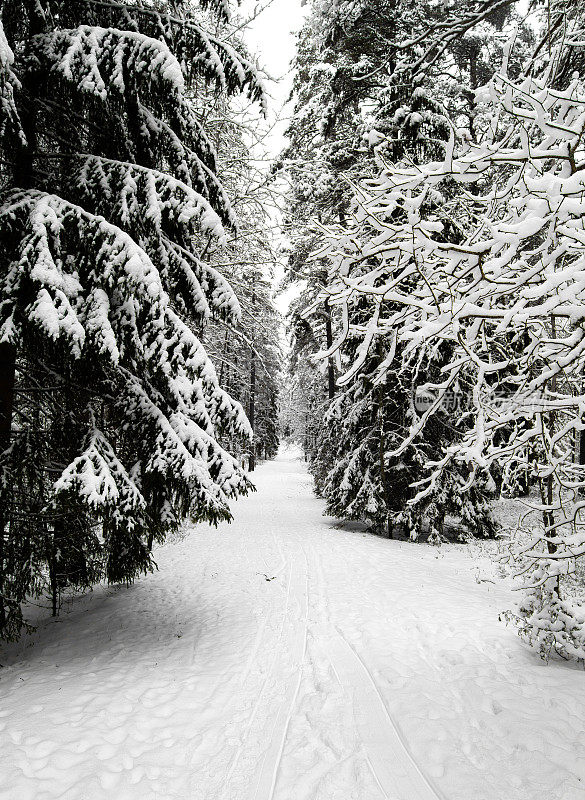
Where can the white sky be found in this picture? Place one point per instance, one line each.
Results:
(271, 37)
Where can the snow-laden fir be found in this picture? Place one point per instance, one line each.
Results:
(115, 424)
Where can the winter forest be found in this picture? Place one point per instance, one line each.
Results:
(292, 399)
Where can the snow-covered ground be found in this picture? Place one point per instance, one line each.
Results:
(281, 658)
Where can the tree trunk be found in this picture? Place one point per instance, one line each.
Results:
(252, 409)
(22, 177)
(53, 577)
(330, 367)
(547, 485)
(548, 516)
(582, 456)
(252, 406)
(7, 376)
(383, 472)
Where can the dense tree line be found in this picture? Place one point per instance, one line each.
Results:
(114, 424)
(248, 355)
(456, 281)
(377, 81)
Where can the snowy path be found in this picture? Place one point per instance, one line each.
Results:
(281, 658)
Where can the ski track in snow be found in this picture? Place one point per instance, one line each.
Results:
(283, 658)
(396, 772)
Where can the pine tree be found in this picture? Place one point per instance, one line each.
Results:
(355, 465)
(373, 72)
(109, 190)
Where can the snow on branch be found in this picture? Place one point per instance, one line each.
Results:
(99, 478)
(482, 257)
(200, 53)
(77, 279)
(10, 123)
(88, 298)
(165, 214)
(102, 61)
(186, 164)
(204, 292)
(110, 296)
(131, 9)
(131, 195)
(196, 385)
(183, 452)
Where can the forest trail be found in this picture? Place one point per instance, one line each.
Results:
(284, 658)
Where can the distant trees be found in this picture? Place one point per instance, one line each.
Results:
(111, 411)
(248, 355)
(376, 80)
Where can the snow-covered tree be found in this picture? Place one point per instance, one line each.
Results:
(361, 476)
(110, 427)
(481, 256)
(376, 79)
(248, 356)
(379, 71)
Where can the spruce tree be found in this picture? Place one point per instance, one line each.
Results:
(111, 409)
